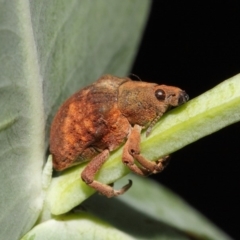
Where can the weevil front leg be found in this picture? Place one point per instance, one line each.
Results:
(131, 151)
(90, 171)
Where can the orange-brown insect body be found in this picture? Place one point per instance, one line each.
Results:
(102, 116)
(87, 123)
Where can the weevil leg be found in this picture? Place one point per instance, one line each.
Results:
(132, 151)
(127, 156)
(90, 171)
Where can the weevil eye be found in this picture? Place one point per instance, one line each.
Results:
(160, 94)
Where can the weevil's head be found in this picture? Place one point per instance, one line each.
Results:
(170, 96)
(144, 103)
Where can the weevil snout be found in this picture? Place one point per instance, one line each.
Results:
(183, 97)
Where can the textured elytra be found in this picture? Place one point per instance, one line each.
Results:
(88, 122)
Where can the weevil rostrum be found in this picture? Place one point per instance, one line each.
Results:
(99, 118)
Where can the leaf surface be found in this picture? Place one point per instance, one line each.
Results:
(48, 50)
(75, 227)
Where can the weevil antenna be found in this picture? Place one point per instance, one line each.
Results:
(154, 121)
(132, 74)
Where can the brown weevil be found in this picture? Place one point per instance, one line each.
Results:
(99, 118)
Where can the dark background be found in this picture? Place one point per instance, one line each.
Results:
(195, 46)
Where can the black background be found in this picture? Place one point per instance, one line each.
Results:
(195, 46)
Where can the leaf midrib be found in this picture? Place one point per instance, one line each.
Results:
(33, 81)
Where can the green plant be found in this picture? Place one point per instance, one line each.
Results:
(48, 50)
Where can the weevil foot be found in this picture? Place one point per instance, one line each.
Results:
(107, 190)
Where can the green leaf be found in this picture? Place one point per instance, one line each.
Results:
(48, 50)
(157, 202)
(75, 226)
(211, 111)
(147, 211)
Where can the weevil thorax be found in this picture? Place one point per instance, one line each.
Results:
(144, 103)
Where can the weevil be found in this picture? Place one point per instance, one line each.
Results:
(105, 115)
